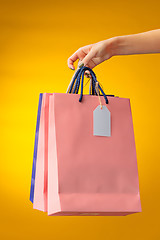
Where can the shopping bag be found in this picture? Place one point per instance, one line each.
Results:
(78, 173)
(39, 190)
(40, 180)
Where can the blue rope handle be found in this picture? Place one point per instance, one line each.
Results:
(76, 87)
(94, 79)
(77, 78)
(76, 84)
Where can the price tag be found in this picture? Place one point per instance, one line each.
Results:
(102, 121)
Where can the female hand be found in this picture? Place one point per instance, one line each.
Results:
(94, 54)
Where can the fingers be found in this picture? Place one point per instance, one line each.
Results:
(88, 57)
(79, 54)
(70, 62)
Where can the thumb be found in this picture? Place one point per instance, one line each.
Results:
(87, 58)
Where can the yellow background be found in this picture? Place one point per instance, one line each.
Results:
(36, 38)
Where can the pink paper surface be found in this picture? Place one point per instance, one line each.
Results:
(89, 173)
(41, 179)
(53, 195)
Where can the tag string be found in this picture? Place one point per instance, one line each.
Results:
(97, 90)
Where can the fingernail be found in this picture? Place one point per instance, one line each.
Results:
(87, 75)
(71, 68)
(81, 65)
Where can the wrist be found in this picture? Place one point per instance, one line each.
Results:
(119, 45)
(114, 46)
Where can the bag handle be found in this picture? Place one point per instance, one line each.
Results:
(71, 86)
(73, 77)
(76, 83)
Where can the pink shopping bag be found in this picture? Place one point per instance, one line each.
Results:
(41, 169)
(78, 173)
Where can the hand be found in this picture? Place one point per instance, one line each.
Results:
(94, 54)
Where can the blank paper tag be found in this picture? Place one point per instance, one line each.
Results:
(102, 121)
